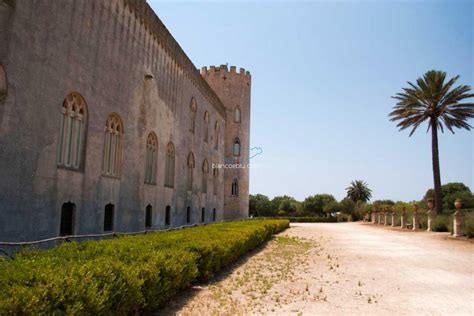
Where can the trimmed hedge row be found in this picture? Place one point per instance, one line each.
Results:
(126, 275)
(310, 219)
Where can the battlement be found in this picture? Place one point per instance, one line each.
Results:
(223, 70)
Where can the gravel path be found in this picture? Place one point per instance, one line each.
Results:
(342, 269)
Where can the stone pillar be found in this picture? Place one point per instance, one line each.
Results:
(431, 217)
(379, 218)
(416, 220)
(393, 219)
(403, 219)
(372, 217)
(457, 220)
(385, 220)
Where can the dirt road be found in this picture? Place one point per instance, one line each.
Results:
(342, 269)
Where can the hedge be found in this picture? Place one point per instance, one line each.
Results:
(126, 275)
(310, 219)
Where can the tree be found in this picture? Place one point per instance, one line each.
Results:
(315, 204)
(437, 102)
(259, 205)
(452, 191)
(359, 191)
(347, 205)
(332, 208)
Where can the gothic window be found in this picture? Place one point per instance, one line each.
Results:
(169, 165)
(192, 110)
(216, 134)
(191, 165)
(205, 172)
(214, 215)
(112, 164)
(235, 188)
(237, 114)
(148, 216)
(236, 147)
(168, 215)
(151, 158)
(3, 84)
(109, 218)
(215, 178)
(206, 127)
(188, 214)
(67, 219)
(203, 215)
(72, 132)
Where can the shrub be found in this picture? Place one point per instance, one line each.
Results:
(310, 219)
(126, 275)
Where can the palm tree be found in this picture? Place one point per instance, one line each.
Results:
(437, 102)
(359, 191)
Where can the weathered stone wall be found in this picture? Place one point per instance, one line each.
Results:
(233, 88)
(102, 49)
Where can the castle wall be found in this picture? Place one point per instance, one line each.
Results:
(103, 50)
(233, 88)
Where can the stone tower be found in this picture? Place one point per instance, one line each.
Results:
(233, 89)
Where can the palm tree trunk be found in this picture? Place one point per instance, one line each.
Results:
(436, 174)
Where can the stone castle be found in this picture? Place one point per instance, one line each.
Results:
(107, 126)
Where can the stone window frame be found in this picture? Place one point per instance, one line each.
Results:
(215, 178)
(237, 114)
(3, 83)
(205, 175)
(148, 216)
(113, 146)
(72, 139)
(216, 132)
(235, 187)
(151, 158)
(236, 147)
(206, 127)
(192, 114)
(191, 164)
(170, 165)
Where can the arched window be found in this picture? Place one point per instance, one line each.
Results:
(190, 171)
(148, 216)
(206, 127)
(109, 218)
(216, 135)
(215, 178)
(237, 114)
(235, 188)
(151, 158)
(214, 215)
(205, 173)
(236, 147)
(112, 164)
(168, 215)
(203, 215)
(192, 117)
(188, 214)
(72, 132)
(169, 166)
(67, 219)
(3, 84)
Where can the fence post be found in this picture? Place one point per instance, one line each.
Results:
(457, 220)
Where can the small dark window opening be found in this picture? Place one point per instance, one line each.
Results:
(67, 219)
(213, 215)
(203, 214)
(109, 218)
(168, 215)
(188, 215)
(148, 216)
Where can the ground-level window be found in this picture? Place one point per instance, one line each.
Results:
(203, 215)
(148, 216)
(67, 219)
(109, 218)
(214, 215)
(235, 188)
(168, 215)
(188, 215)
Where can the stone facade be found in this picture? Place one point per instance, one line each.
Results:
(98, 105)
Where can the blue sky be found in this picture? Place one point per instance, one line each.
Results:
(322, 77)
